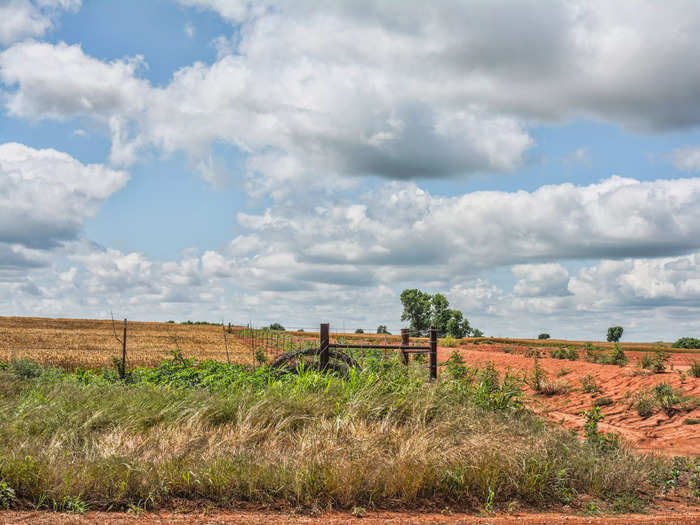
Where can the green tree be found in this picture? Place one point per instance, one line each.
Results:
(440, 313)
(276, 326)
(359, 331)
(416, 309)
(614, 333)
(477, 333)
(381, 329)
(458, 325)
(543, 336)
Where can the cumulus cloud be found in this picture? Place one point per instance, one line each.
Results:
(541, 280)
(46, 195)
(21, 19)
(354, 89)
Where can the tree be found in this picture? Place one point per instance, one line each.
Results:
(422, 310)
(359, 331)
(276, 326)
(457, 326)
(416, 309)
(614, 333)
(477, 333)
(381, 329)
(543, 336)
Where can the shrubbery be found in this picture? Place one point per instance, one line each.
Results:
(687, 342)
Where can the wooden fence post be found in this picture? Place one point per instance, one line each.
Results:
(325, 341)
(433, 353)
(404, 344)
(123, 370)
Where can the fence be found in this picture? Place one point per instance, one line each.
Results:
(268, 344)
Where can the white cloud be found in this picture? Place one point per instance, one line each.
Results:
(46, 195)
(20, 19)
(687, 159)
(60, 81)
(189, 30)
(541, 280)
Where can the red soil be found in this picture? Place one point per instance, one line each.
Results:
(661, 433)
(667, 516)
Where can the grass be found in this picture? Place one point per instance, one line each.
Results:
(224, 435)
(694, 369)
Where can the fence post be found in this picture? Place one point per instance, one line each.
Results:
(325, 341)
(404, 344)
(433, 353)
(123, 370)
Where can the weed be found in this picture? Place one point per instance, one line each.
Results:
(602, 442)
(691, 421)
(695, 369)
(456, 366)
(549, 387)
(589, 385)
(260, 357)
(535, 379)
(7, 496)
(563, 371)
(603, 402)
(448, 342)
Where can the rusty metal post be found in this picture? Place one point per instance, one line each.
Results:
(325, 341)
(123, 370)
(404, 344)
(433, 353)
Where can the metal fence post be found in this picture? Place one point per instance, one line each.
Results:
(325, 341)
(433, 353)
(404, 344)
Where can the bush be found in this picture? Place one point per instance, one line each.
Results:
(25, 368)
(543, 336)
(589, 385)
(694, 369)
(448, 341)
(8, 499)
(359, 331)
(603, 402)
(687, 342)
(277, 326)
(618, 357)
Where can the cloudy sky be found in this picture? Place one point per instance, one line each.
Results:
(537, 161)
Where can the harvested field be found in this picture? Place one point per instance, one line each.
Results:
(70, 343)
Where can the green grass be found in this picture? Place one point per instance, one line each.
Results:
(223, 435)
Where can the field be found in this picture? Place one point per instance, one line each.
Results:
(187, 433)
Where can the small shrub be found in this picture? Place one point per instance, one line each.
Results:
(600, 441)
(550, 387)
(533, 352)
(658, 364)
(260, 357)
(557, 353)
(25, 368)
(646, 361)
(8, 499)
(691, 421)
(455, 366)
(686, 342)
(589, 385)
(694, 369)
(543, 336)
(603, 402)
(449, 342)
(538, 375)
(572, 354)
(618, 357)
(645, 404)
(563, 372)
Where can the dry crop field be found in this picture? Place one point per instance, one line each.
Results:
(91, 343)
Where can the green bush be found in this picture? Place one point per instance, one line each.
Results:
(687, 342)
(8, 499)
(618, 357)
(589, 385)
(448, 342)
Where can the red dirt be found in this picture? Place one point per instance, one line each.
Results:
(660, 433)
(675, 516)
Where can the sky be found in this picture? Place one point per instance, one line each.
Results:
(536, 161)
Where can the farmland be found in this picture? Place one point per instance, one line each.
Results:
(188, 426)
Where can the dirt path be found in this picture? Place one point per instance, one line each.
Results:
(660, 432)
(685, 516)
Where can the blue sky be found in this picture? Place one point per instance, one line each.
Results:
(303, 162)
